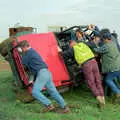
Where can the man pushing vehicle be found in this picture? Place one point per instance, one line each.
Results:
(86, 59)
(35, 64)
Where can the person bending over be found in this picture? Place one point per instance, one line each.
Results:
(86, 59)
(110, 60)
(33, 61)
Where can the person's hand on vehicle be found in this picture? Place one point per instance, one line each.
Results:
(59, 49)
(91, 27)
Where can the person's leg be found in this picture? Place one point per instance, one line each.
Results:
(98, 83)
(53, 91)
(118, 75)
(89, 77)
(40, 82)
(55, 94)
(109, 80)
(98, 80)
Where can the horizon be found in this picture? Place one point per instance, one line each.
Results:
(105, 14)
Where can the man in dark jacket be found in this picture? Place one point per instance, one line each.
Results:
(33, 61)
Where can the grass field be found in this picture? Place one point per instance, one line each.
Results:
(1, 59)
(83, 105)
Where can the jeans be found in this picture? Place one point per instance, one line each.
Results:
(109, 80)
(44, 79)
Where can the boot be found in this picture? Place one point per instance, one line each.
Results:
(117, 100)
(101, 101)
(117, 96)
(48, 108)
(66, 110)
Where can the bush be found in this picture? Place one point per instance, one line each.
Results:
(4, 47)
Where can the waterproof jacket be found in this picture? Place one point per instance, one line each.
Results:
(82, 53)
(110, 57)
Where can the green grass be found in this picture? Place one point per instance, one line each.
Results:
(1, 59)
(83, 105)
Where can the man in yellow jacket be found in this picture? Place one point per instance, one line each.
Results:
(86, 59)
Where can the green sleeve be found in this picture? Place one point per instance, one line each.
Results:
(102, 50)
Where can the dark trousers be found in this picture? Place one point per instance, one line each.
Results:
(92, 77)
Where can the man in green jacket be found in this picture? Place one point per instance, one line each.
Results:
(110, 58)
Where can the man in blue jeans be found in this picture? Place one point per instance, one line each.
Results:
(33, 61)
(110, 59)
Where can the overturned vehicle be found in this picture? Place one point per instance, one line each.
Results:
(65, 71)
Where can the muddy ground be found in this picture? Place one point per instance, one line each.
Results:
(4, 66)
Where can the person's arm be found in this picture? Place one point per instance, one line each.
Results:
(66, 54)
(24, 63)
(93, 28)
(101, 50)
(24, 60)
(91, 44)
(96, 29)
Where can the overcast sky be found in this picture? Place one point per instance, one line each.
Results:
(41, 13)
